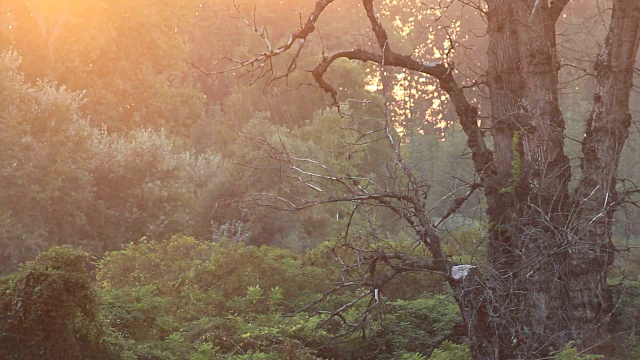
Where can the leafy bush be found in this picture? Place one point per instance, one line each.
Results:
(50, 310)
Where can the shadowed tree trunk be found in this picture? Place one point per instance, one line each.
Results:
(549, 249)
(597, 199)
(544, 283)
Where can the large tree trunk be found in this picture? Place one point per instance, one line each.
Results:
(549, 251)
(523, 306)
(597, 199)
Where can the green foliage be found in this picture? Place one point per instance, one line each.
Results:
(187, 299)
(144, 186)
(418, 326)
(45, 164)
(259, 174)
(126, 55)
(451, 351)
(625, 319)
(407, 329)
(67, 183)
(516, 171)
(182, 292)
(571, 353)
(227, 300)
(516, 163)
(49, 309)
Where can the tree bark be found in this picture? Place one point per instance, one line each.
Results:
(546, 283)
(549, 254)
(521, 311)
(597, 198)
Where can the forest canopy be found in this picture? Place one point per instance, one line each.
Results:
(319, 179)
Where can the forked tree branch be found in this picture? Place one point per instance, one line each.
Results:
(409, 208)
(482, 156)
(468, 114)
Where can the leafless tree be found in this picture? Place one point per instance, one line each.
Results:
(544, 281)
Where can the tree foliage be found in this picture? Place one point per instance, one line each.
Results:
(171, 144)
